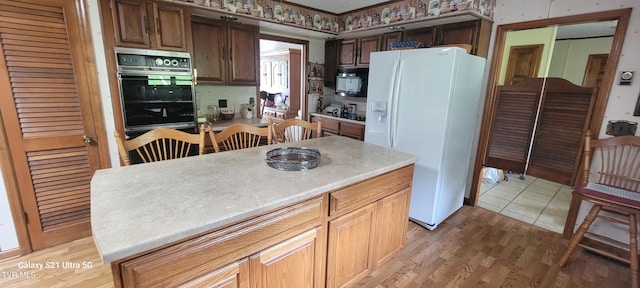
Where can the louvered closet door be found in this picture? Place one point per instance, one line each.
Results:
(513, 125)
(564, 118)
(46, 111)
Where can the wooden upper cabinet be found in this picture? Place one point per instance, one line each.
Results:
(157, 25)
(209, 57)
(367, 45)
(244, 54)
(458, 33)
(170, 30)
(387, 38)
(424, 35)
(130, 21)
(225, 53)
(357, 52)
(347, 52)
(331, 49)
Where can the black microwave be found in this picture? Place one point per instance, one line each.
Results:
(352, 82)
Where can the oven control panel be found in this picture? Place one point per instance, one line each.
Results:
(152, 60)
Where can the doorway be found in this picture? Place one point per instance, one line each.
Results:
(272, 46)
(621, 18)
(53, 136)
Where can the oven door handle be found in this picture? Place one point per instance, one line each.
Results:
(153, 72)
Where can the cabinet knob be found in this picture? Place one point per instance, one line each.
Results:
(87, 139)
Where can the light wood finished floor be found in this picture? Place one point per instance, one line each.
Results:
(474, 248)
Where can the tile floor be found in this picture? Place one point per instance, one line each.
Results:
(532, 200)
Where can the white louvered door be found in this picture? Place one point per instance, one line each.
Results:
(46, 111)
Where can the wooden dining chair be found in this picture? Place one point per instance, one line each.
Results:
(239, 136)
(292, 130)
(160, 144)
(615, 189)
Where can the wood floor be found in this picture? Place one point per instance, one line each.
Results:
(473, 248)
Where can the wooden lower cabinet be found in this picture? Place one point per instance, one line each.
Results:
(302, 245)
(349, 252)
(288, 264)
(235, 275)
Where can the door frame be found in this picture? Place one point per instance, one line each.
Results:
(597, 116)
(303, 80)
(89, 77)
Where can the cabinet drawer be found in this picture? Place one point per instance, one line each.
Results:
(198, 256)
(330, 124)
(360, 194)
(353, 130)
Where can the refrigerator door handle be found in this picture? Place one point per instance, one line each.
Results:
(392, 90)
(394, 105)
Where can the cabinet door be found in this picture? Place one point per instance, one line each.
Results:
(458, 33)
(391, 225)
(235, 275)
(351, 130)
(331, 50)
(347, 55)
(130, 21)
(367, 45)
(244, 54)
(349, 252)
(208, 51)
(387, 38)
(170, 32)
(424, 35)
(288, 264)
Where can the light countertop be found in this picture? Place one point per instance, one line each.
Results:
(338, 118)
(223, 124)
(141, 207)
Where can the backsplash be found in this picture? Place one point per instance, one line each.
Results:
(210, 94)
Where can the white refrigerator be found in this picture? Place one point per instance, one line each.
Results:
(425, 102)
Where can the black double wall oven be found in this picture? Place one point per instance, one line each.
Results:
(156, 90)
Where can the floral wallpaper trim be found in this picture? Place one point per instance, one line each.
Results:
(384, 15)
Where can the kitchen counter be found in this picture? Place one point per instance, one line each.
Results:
(338, 118)
(142, 207)
(223, 124)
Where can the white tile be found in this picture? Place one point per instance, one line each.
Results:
(505, 195)
(536, 196)
(547, 184)
(532, 206)
(489, 206)
(518, 216)
(550, 227)
(507, 188)
(541, 190)
(554, 215)
(493, 200)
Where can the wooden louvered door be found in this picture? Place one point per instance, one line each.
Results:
(46, 111)
(564, 118)
(513, 125)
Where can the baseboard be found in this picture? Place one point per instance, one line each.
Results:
(8, 254)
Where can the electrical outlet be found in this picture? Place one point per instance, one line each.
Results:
(626, 77)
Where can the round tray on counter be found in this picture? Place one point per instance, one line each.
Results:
(293, 158)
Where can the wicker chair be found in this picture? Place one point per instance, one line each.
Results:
(292, 130)
(615, 189)
(160, 144)
(239, 136)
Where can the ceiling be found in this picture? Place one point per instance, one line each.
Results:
(586, 30)
(337, 6)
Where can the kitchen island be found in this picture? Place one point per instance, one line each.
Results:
(213, 218)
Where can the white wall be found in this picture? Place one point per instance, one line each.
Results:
(622, 99)
(8, 236)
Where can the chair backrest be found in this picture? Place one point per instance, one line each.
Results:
(160, 144)
(239, 136)
(617, 161)
(292, 130)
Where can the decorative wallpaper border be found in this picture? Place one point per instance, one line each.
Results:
(384, 15)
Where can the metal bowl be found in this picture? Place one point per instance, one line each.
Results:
(293, 158)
